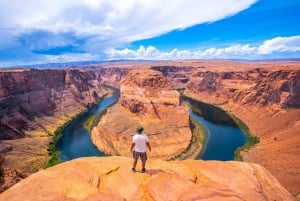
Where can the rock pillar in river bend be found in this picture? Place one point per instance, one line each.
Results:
(148, 99)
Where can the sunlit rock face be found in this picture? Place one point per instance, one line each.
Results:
(110, 178)
(266, 98)
(148, 99)
(35, 102)
(280, 87)
(28, 97)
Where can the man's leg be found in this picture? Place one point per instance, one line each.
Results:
(135, 158)
(144, 159)
(134, 164)
(143, 165)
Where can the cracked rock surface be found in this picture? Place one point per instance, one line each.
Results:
(110, 178)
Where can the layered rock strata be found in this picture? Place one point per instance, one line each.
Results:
(110, 178)
(267, 100)
(265, 96)
(34, 103)
(147, 99)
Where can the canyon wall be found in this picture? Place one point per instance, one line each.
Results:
(30, 95)
(34, 103)
(265, 96)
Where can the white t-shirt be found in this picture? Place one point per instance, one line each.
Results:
(140, 142)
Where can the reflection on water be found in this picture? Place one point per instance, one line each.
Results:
(76, 141)
(223, 137)
(221, 141)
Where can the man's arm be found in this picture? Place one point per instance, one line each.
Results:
(148, 145)
(132, 145)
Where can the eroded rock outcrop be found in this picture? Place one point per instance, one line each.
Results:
(26, 96)
(110, 178)
(266, 98)
(279, 87)
(148, 99)
(255, 86)
(34, 103)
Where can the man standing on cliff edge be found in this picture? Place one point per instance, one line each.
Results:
(140, 143)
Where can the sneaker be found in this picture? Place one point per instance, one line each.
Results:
(132, 169)
(143, 170)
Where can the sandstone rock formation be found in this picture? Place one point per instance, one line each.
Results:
(280, 87)
(264, 95)
(34, 103)
(110, 178)
(148, 99)
(267, 100)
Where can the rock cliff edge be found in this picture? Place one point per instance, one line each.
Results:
(110, 178)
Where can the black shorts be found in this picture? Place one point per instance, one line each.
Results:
(142, 155)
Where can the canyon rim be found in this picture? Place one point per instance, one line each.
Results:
(264, 95)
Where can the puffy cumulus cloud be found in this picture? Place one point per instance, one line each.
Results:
(95, 25)
(272, 47)
(140, 53)
(231, 50)
(280, 44)
(153, 53)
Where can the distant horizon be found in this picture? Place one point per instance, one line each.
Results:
(83, 63)
(37, 32)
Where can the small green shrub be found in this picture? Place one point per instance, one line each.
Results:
(89, 122)
(52, 151)
(252, 140)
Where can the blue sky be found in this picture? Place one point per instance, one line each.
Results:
(35, 31)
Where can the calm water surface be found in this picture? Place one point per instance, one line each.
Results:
(76, 141)
(221, 142)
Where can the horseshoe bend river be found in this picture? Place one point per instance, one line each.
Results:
(222, 136)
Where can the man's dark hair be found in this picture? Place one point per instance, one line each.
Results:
(139, 129)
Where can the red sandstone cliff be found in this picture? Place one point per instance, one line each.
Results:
(280, 87)
(265, 96)
(35, 102)
(29, 95)
(148, 99)
(267, 100)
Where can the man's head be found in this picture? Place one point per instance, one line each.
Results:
(139, 129)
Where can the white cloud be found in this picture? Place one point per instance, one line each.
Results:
(88, 29)
(270, 47)
(280, 44)
(114, 23)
